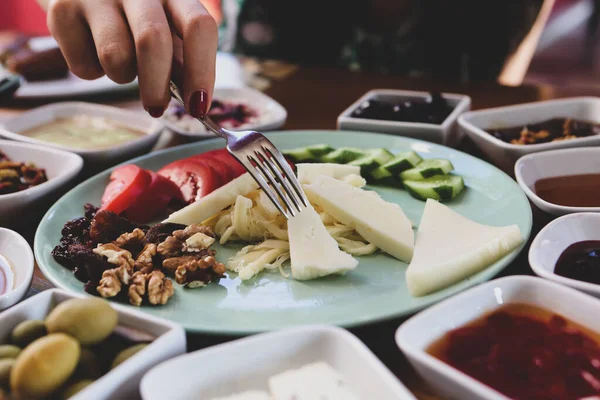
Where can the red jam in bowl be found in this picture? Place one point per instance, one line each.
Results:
(525, 352)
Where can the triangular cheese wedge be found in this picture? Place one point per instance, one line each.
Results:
(450, 247)
(313, 252)
(382, 223)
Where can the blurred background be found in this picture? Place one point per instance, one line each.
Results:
(561, 49)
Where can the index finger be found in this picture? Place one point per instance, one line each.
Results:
(198, 31)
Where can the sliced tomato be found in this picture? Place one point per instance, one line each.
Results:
(227, 159)
(155, 199)
(126, 185)
(225, 173)
(194, 179)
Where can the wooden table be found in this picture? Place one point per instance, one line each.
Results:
(314, 97)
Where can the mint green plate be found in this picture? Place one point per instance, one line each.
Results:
(374, 291)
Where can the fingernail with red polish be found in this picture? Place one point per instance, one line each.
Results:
(199, 104)
(156, 112)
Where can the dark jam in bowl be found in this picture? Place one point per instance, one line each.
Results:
(580, 261)
(552, 130)
(525, 352)
(432, 110)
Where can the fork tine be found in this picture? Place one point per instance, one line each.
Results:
(275, 170)
(288, 173)
(286, 195)
(271, 194)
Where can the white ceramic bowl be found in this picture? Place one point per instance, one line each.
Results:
(123, 381)
(12, 128)
(247, 363)
(16, 249)
(447, 133)
(271, 114)
(415, 335)
(61, 168)
(554, 238)
(504, 155)
(531, 168)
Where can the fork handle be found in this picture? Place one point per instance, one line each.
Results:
(174, 88)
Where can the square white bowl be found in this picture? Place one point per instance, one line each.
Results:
(248, 363)
(123, 381)
(446, 133)
(271, 114)
(12, 128)
(533, 167)
(504, 155)
(61, 168)
(18, 252)
(554, 238)
(419, 332)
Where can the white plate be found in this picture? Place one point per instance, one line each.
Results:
(419, 332)
(229, 73)
(446, 133)
(504, 155)
(61, 168)
(246, 364)
(16, 249)
(271, 114)
(531, 168)
(141, 121)
(123, 381)
(554, 238)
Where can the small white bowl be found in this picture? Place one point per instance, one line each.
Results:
(554, 238)
(415, 335)
(271, 114)
(531, 168)
(12, 128)
(447, 133)
(504, 155)
(248, 363)
(18, 252)
(61, 168)
(123, 381)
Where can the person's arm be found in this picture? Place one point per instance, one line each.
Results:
(128, 38)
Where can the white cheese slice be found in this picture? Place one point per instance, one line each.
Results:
(313, 252)
(313, 381)
(308, 173)
(379, 222)
(450, 247)
(214, 202)
(249, 395)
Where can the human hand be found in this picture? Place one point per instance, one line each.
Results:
(128, 38)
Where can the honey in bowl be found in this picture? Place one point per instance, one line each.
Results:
(525, 352)
(570, 190)
(6, 275)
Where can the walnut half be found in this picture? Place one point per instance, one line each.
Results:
(199, 272)
(159, 288)
(120, 257)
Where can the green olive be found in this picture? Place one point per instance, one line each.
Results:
(89, 320)
(126, 354)
(28, 331)
(45, 365)
(88, 366)
(9, 351)
(74, 388)
(5, 367)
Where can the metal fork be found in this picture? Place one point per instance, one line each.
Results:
(262, 160)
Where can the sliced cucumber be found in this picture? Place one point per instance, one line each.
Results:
(319, 150)
(438, 187)
(426, 169)
(399, 163)
(374, 159)
(298, 155)
(343, 155)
